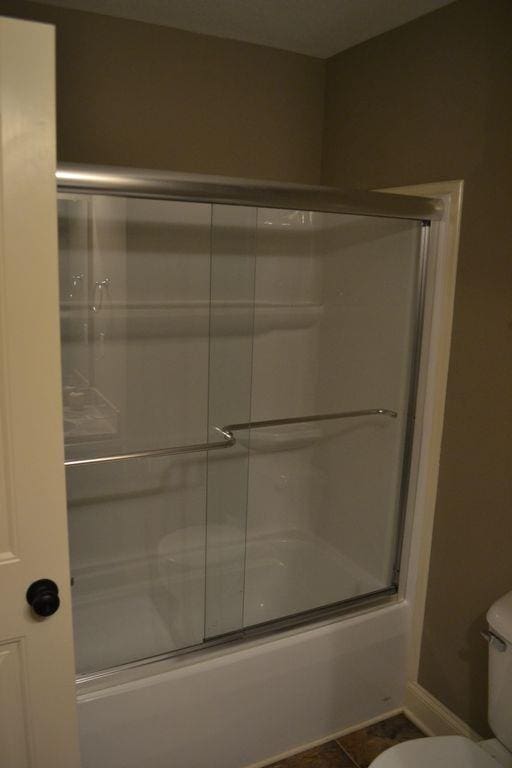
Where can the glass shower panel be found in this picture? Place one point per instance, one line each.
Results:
(135, 285)
(335, 305)
(284, 337)
(231, 345)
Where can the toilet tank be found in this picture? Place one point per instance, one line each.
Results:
(499, 617)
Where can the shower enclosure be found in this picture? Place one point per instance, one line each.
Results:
(239, 378)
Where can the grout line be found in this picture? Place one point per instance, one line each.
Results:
(347, 754)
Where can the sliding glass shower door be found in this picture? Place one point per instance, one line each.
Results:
(311, 358)
(135, 290)
(237, 389)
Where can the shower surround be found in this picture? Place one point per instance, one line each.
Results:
(239, 395)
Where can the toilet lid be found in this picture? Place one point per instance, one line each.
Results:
(438, 751)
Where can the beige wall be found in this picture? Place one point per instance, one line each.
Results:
(433, 100)
(147, 96)
(428, 101)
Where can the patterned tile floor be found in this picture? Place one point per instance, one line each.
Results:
(357, 749)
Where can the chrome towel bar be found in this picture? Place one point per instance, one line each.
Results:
(228, 442)
(307, 419)
(229, 439)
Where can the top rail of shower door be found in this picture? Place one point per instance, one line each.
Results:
(163, 185)
(229, 440)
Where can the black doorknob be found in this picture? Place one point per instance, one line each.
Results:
(43, 597)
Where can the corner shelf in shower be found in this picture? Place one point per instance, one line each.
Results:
(96, 419)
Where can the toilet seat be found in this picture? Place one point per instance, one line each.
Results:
(435, 752)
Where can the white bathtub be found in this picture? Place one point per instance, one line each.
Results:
(245, 705)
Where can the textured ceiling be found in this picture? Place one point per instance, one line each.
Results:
(314, 27)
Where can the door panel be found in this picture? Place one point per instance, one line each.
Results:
(14, 730)
(37, 693)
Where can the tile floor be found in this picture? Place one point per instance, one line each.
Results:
(357, 749)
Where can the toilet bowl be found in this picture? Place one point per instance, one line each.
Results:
(459, 751)
(436, 752)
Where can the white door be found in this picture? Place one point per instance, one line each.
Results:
(37, 696)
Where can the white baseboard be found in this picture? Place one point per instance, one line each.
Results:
(432, 717)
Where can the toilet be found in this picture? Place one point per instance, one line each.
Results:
(459, 751)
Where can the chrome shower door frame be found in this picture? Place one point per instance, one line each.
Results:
(149, 184)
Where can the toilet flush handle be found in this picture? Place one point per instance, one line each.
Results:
(494, 641)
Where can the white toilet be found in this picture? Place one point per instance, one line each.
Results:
(458, 751)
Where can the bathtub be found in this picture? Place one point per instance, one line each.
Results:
(246, 704)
